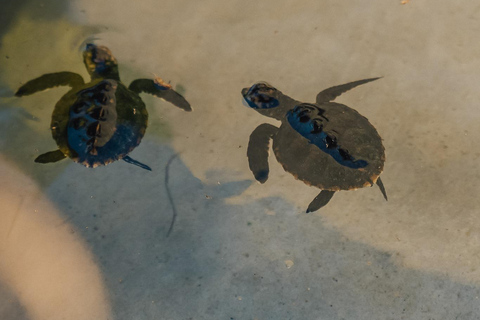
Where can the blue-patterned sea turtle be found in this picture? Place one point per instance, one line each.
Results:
(324, 144)
(101, 121)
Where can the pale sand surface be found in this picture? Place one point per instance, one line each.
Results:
(231, 253)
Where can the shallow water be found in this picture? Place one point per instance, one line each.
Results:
(82, 243)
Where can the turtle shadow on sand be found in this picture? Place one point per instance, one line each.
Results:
(326, 144)
(230, 260)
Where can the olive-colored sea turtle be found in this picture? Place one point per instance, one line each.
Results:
(325, 144)
(101, 121)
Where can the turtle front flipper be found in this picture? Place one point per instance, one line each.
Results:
(257, 151)
(333, 92)
(52, 156)
(48, 81)
(320, 201)
(137, 163)
(382, 188)
(159, 89)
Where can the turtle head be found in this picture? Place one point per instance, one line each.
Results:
(267, 100)
(100, 62)
(261, 96)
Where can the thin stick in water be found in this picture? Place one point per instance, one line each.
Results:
(169, 194)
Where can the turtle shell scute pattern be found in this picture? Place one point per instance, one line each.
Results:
(105, 123)
(309, 163)
(311, 122)
(92, 118)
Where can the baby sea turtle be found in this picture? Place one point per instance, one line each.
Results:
(324, 144)
(101, 121)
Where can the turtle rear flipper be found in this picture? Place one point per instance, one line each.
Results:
(48, 81)
(382, 188)
(137, 163)
(333, 92)
(257, 151)
(164, 92)
(52, 156)
(320, 201)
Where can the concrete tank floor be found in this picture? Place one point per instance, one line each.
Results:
(80, 243)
